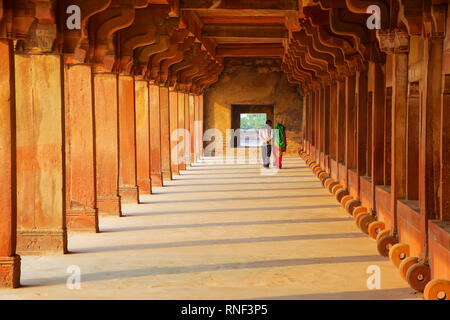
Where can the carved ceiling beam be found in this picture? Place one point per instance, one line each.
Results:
(208, 69)
(198, 63)
(344, 22)
(76, 42)
(325, 59)
(298, 66)
(143, 55)
(178, 67)
(141, 33)
(204, 84)
(188, 64)
(293, 78)
(300, 52)
(323, 47)
(320, 20)
(299, 57)
(119, 15)
(166, 64)
(177, 39)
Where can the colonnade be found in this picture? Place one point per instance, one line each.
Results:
(376, 129)
(85, 125)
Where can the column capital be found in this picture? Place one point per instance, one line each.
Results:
(393, 41)
(41, 39)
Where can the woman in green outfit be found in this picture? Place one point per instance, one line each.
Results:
(280, 144)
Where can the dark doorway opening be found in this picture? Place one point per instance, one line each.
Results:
(246, 120)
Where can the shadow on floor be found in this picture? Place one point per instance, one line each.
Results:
(239, 199)
(155, 213)
(195, 177)
(169, 191)
(226, 224)
(300, 182)
(198, 243)
(236, 171)
(145, 272)
(232, 167)
(386, 294)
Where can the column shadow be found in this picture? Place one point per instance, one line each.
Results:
(221, 210)
(200, 243)
(226, 224)
(175, 270)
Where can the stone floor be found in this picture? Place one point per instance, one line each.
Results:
(221, 231)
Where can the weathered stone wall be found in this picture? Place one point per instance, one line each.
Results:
(255, 85)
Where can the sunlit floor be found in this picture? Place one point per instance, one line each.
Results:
(222, 231)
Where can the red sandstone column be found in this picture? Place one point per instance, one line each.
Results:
(155, 136)
(399, 108)
(445, 148)
(313, 125)
(191, 126)
(322, 126)
(107, 144)
(165, 133)
(128, 188)
(181, 126)
(310, 123)
(319, 100)
(340, 127)
(362, 117)
(187, 126)
(350, 115)
(333, 121)
(40, 149)
(143, 137)
(173, 112)
(326, 125)
(378, 85)
(429, 157)
(202, 121)
(317, 107)
(81, 211)
(196, 128)
(9, 261)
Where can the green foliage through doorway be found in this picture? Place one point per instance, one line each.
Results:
(253, 120)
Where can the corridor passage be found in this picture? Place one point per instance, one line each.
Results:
(221, 231)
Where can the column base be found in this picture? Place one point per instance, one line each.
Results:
(182, 167)
(157, 179)
(82, 220)
(10, 272)
(129, 194)
(175, 170)
(38, 242)
(167, 176)
(145, 186)
(109, 206)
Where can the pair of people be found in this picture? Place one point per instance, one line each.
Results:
(267, 136)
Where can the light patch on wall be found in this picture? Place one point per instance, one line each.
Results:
(222, 117)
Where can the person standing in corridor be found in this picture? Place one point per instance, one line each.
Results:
(266, 137)
(280, 145)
